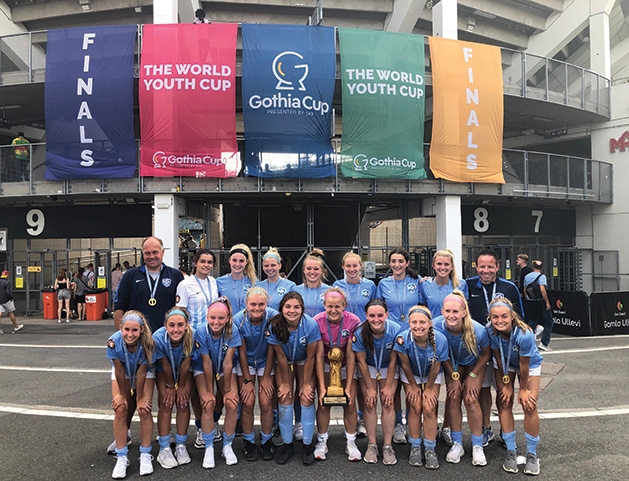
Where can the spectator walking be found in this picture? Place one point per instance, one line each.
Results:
(7, 301)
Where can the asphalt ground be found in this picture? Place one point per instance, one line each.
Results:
(56, 419)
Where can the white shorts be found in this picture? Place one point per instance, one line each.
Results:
(8, 306)
(252, 371)
(536, 371)
(196, 373)
(383, 372)
(150, 373)
(419, 380)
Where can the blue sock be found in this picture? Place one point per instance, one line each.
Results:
(145, 449)
(297, 407)
(398, 416)
(415, 442)
(217, 416)
(509, 439)
(457, 437)
(164, 441)
(122, 452)
(197, 423)
(286, 423)
(531, 443)
(208, 438)
(249, 437)
(360, 414)
(228, 438)
(430, 444)
(264, 438)
(181, 438)
(477, 440)
(308, 418)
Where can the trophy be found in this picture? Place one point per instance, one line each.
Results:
(335, 394)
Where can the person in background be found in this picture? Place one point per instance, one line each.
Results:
(89, 272)
(63, 286)
(7, 301)
(21, 156)
(522, 261)
(539, 314)
(116, 274)
(81, 285)
(199, 16)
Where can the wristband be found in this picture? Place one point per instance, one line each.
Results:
(472, 375)
(170, 386)
(246, 381)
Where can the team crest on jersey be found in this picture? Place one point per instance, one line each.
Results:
(345, 333)
(400, 340)
(246, 287)
(432, 359)
(412, 288)
(498, 295)
(516, 349)
(225, 347)
(354, 338)
(166, 282)
(389, 346)
(111, 344)
(365, 293)
(303, 341)
(281, 291)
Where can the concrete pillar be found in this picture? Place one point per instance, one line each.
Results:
(166, 211)
(444, 19)
(165, 11)
(448, 213)
(600, 46)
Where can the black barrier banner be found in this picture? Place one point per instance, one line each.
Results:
(571, 312)
(610, 313)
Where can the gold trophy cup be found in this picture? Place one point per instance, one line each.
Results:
(335, 394)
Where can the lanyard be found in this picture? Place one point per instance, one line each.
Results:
(354, 295)
(295, 340)
(207, 297)
(339, 333)
(402, 304)
(417, 360)
(133, 374)
(493, 295)
(379, 360)
(171, 356)
(311, 306)
(217, 370)
(153, 288)
(237, 293)
(455, 362)
(507, 360)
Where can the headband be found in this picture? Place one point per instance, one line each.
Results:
(257, 290)
(420, 310)
(452, 297)
(334, 293)
(501, 304)
(238, 250)
(221, 301)
(273, 255)
(177, 312)
(133, 317)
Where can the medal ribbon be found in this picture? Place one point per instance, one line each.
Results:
(207, 297)
(505, 362)
(171, 357)
(127, 367)
(153, 289)
(421, 369)
(493, 295)
(295, 340)
(397, 294)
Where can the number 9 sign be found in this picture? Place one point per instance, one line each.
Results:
(36, 221)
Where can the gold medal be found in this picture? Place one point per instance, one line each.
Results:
(218, 376)
(152, 301)
(378, 376)
(505, 379)
(402, 317)
(176, 386)
(456, 376)
(132, 391)
(291, 368)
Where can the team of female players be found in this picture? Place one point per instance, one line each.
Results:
(215, 358)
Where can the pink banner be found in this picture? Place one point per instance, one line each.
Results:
(188, 101)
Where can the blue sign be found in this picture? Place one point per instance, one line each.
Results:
(89, 103)
(287, 91)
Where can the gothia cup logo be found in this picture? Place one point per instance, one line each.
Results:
(288, 72)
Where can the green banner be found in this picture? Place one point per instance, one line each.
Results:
(383, 104)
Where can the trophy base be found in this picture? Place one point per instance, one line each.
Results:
(335, 400)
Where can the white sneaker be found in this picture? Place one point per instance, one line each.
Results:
(218, 434)
(166, 459)
(111, 449)
(478, 456)
(229, 455)
(208, 458)
(181, 453)
(321, 449)
(538, 331)
(120, 470)
(455, 453)
(19, 326)
(298, 432)
(446, 435)
(353, 454)
(198, 442)
(361, 429)
(399, 434)
(146, 464)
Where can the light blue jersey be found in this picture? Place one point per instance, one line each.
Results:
(234, 290)
(432, 294)
(295, 348)
(421, 358)
(358, 295)
(313, 298)
(276, 290)
(399, 297)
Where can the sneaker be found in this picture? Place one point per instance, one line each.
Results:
(59, 321)
(277, 438)
(19, 326)
(361, 430)
(399, 435)
(544, 347)
(198, 442)
(120, 470)
(307, 455)
(166, 459)
(208, 458)
(488, 436)
(446, 435)
(455, 453)
(352, 451)
(228, 454)
(388, 455)
(538, 331)
(284, 452)
(251, 450)
(321, 449)
(415, 458)
(146, 464)
(218, 434)
(298, 432)
(1, 331)
(266, 451)
(181, 453)
(111, 449)
(510, 464)
(502, 441)
(532, 464)
(478, 456)
(431, 460)
(371, 455)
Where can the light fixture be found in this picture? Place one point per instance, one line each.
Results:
(138, 9)
(471, 23)
(85, 5)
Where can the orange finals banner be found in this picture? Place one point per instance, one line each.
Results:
(468, 112)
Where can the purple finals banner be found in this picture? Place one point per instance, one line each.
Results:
(89, 103)
(287, 91)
